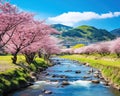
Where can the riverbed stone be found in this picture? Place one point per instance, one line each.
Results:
(33, 79)
(54, 76)
(33, 74)
(68, 71)
(47, 74)
(85, 77)
(97, 72)
(78, 71)
(102, 78)
(48, 92)
(96, 75)
(106, 83)
(65, 83)
(96, 81)
(91, 70)
(40, 95)
(63, 76)
(40, 69)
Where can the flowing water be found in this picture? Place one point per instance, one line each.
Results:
(65, 70)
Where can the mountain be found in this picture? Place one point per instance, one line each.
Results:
(89, 32)
(116, 32)
(82, 33)
(61, 28)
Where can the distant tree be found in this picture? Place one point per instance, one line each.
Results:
(115, 47)
(103, 48)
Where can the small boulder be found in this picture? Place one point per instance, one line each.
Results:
(84, 63)
(33, 79)
(40, 95)
(85, 77)
(101, 78)
(68, 71)
(96, 75)
(58, 63)
(95, 81)
(47, 74)
(33, 74)
(106, 84)
(48, 92)
(40, 69)
(87, 64)
(65, 83)
(91, 70)
(78, 71)
(54, 76)
(63, 76)
(96, 72)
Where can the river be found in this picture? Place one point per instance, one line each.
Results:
(77, 75)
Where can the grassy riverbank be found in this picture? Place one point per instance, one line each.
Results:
(16, 76)
(109, 66)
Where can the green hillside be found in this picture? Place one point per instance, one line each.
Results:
(89, 32)
(116, 32)
(61, 28)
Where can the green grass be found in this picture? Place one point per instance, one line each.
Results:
(13, 76)
(109, 66)
(6, 62)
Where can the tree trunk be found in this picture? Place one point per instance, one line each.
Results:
(39, 54)
(14, 58)
(29, 57)
(118, 55)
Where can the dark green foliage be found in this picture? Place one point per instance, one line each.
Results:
(72, 33)
(90, 33)
(116, 32)
(40, 62)
(87, 32)
(61, 28)
(13, 79)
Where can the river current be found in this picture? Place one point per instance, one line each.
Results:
(77, 75)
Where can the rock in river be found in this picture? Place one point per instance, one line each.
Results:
(65, 83)
(68, 71)
(95, 81)
(48, 92)
(78, 71)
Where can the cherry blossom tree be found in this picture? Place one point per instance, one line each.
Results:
(28, 35)
(50, 45)
(10, 18)
(115, 47)
(45, 47)
(20, 33)
(103, 48)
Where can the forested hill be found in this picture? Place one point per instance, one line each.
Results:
(87, 32)
(116, 32)
(61, 28)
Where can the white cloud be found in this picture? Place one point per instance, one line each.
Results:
(71, 18)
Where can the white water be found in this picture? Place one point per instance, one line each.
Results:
(81, 83)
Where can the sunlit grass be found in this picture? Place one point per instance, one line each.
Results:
(95, 59)
(6, 62)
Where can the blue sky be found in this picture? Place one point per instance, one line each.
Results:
(99, 13)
